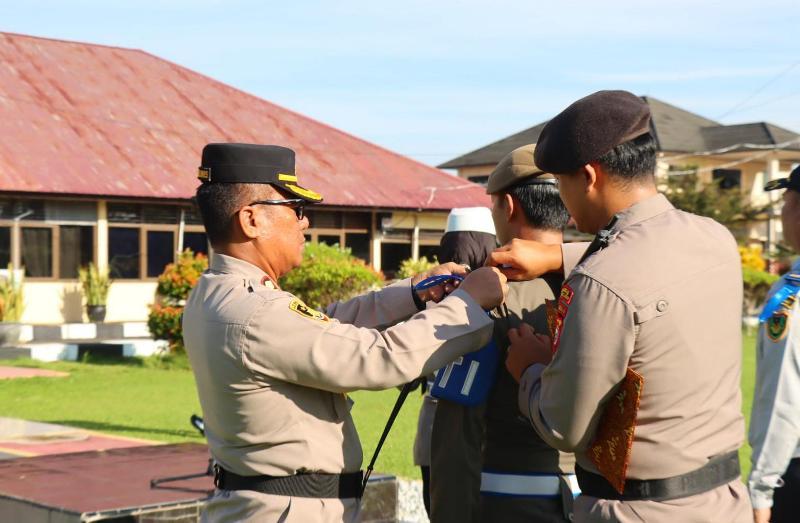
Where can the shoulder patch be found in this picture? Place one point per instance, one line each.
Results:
(556, 314)
(304, 310)
(777, 325)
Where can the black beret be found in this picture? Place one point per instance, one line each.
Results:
(792, 182)
(250, 163)
(589, 128)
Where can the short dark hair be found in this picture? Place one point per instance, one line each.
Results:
(218, 204)
(632, 161)
(541, 205)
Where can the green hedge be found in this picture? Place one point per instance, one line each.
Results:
(756, 287)
(329, 274)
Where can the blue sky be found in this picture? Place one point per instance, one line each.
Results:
(433, 80)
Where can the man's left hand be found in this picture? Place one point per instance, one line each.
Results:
(526, 348)
(436, 294)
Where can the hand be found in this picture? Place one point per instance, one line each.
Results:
(436, 294)
(762, 515)
(526, 259)
(487, 286)
(526, 348)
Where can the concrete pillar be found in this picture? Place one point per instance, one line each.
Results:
(181, 229)
(415, 239)
(770, 173)
(375, 243)
(101, 236)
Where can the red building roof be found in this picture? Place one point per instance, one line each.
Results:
(84, 119)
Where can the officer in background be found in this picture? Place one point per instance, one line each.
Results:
(272, 374)
(644, 383)
(775, 420)
(468, 239)
(487, 462)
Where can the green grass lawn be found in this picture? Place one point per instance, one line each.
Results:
(153, 400)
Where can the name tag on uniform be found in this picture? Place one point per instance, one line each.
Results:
(468, 379)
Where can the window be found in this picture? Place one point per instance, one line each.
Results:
(329, 239)
(124, 252)
(480, 180)
(5, 247)
(160, 251)
(392, 255)
(75, 249)
(727, 178)
(37, 251)
(196, 241)
(358, 244)
(429, 251)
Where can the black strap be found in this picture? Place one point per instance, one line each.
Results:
(401, 398)
(718, 471)
(310, 485)
(601, 240)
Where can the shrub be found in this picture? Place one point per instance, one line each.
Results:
(173, 288)
(178, 278)
(95, 284)
(164, 322)
(752, 257)
(756, 287)
(411, 268)
(329, 274)
(11, 298)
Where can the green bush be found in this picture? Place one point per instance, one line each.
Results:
(178, 278)
(756, 287)
(164, 322)
(411, 268)
(174, 284)
(329, 274)
(11, 298)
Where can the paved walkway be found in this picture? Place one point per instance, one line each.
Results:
(22, 438)
(9, 373)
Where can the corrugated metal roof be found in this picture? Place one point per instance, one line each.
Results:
(86, 119)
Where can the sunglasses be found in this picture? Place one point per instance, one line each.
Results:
(298, 204)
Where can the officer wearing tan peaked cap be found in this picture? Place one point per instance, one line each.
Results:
(273, 374)
(487, 462)
(640, 373)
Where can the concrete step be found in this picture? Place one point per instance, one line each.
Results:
(75, 350)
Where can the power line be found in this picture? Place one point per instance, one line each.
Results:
(759, 90)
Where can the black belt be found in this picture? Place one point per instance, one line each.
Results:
(303, 485)
(718, 471)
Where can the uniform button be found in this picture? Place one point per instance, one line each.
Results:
(662, 305)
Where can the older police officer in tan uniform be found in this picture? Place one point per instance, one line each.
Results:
(272, 374)
(644, 384)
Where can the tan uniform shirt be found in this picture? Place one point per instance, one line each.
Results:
(665, 299)
(271, 375)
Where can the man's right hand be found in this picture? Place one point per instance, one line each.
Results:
(487, 286)
(762, 515)
(526, 259)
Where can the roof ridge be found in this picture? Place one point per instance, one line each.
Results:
(66, 41)
(769, 132)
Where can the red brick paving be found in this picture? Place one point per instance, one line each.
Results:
(101, 481)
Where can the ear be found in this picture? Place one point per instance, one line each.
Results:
(593, 176)
(509, 206)
(247, 219)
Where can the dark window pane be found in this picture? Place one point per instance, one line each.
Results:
(5, 247)
(160, 251)
(480, 180)
(191, 216)
(392, 255)
(37, 252)
(357, 220)
(429, 251)
(31, 209)
(196, 241)
(124, 213)
(328, 239)
(160, 214)
(76, 249)
(123, 252)
(359, 244)
(325, 219)
(727, 178)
